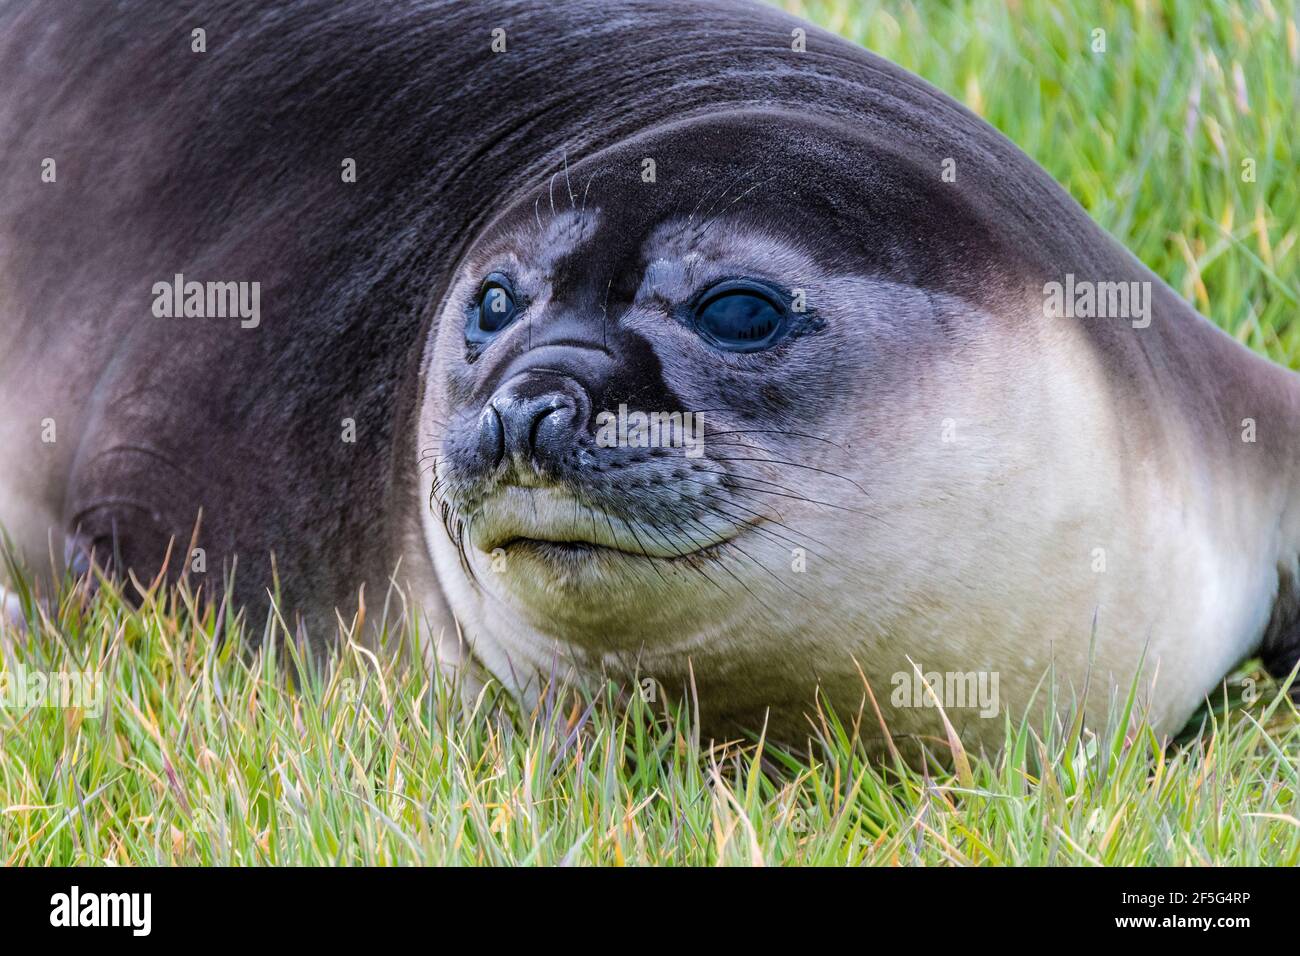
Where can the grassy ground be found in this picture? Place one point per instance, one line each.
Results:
(199, 756)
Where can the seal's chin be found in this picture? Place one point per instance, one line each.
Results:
(596, 578)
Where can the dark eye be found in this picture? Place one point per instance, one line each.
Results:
(741, 316)
(496, 309)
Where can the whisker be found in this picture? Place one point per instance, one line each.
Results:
(768, 531)
(704, 547)
(644, 552)
(772, 431)
(604, 314)
(795, 464)
(746, 477)
(722, 564)
(614, 536)
(764, 568)
(723, 195)
(709, 225)
(573, 203)
(787, 491)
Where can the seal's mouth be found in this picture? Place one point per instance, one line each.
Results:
(550, 524)
(577, 550)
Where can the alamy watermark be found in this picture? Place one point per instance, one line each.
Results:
(954, 690)
(21, 689)
(624, 429)
(133, 911)
(180, 299)
(1085, 299)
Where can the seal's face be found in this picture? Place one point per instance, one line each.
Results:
(647, 426)
(593, 470)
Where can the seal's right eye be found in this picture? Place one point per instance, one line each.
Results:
(497, 308)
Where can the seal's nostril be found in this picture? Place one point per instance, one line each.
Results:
(491, 437)
(531, 427)
(533, 420)
(541, 416)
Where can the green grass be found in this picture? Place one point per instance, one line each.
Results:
(203, 756)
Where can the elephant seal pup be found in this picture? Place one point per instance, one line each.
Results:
(652, 341)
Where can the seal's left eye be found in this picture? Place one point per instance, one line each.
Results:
(741, 316)
(497, 308)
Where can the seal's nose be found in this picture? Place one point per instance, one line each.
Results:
(531, 425)
(531, 420)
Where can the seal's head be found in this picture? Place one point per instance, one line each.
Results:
(662, 407)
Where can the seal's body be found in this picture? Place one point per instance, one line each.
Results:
(898, 450)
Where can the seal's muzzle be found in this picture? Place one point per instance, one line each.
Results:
(531, 421)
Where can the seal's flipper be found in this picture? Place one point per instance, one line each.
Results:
(1279, 649)
(121, 520)
(1280, 657)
